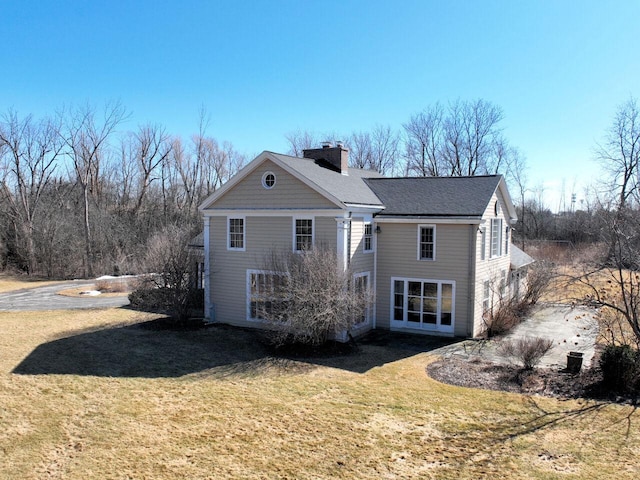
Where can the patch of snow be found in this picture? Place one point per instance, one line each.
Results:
(111, 277)
(91, 293)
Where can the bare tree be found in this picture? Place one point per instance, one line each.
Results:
(620, 153)
(31, 150)
(614, 281)
(423, 142)
(376, 151)
(86, 138)
(301, 140)
(463, 139)
(151, 148)
(384, 151)
(471, 133)
(517, 177)
(360, 150)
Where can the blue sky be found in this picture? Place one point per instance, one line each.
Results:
(262, 69)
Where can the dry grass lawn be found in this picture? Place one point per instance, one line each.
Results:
(10, 283)
(100, 394)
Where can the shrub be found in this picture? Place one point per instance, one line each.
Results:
(507, 315)
(309, 300)
(116, 285)
(620, 365)
(169, 288)
(528, 351)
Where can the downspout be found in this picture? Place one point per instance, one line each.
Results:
(375, 275)
(473, 237)
(207, 271)
(349, 241)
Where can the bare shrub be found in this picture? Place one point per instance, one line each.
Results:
(309, 297)
(169, 288)
(113, 285)
(539, 277)
(504, 317)
(528, 350)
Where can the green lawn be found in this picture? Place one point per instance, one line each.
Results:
(99, 394)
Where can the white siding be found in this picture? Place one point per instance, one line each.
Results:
(489, 268)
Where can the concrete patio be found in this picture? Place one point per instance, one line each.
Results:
(570, 329)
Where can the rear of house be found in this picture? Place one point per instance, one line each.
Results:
(426, 247)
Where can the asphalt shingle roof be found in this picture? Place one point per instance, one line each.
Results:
(346, 188)
(435, 196)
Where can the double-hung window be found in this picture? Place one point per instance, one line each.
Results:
(303, 234)
(496, 237)
(486, 296)
(236, 237)
(265, 295)
(367, 238)
(426, 242)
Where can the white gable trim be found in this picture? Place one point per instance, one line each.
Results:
(253, 165)
(511, 209)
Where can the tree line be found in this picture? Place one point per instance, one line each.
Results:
(81, 197)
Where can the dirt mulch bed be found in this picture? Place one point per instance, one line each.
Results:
(511, 378)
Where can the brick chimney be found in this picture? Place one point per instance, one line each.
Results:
(336, 158)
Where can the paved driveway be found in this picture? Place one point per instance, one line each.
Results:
(571, 329)
(46, 298)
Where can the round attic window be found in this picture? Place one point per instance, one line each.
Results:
(496, 208)
(268, 180)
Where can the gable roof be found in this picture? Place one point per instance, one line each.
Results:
(460, 197)
(438, 196)
(343, 190)
(349, 189)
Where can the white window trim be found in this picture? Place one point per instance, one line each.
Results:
(364, 236)
(499, 240)
(248, 292)
(244, 233)
(420, 227)
(264, 180)
(313, 231)
(404, 324)
(486, 297)
(367, 314)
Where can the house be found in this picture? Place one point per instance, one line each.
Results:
(436, 251)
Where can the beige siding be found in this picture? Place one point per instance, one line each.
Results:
(229, 268)
(397, 247)
(325, 229)
(360, 261)
(288, 192)
(489, 268)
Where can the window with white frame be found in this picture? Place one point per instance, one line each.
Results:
(236, 240)
(486, 296)
(264, 289)
(425, 304)
(503, 283)
(361, 286)
(367, 238)
(426, 242)
(496, 237)
(507, 231)
(303, 234)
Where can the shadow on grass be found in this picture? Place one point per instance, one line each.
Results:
(152, 350)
